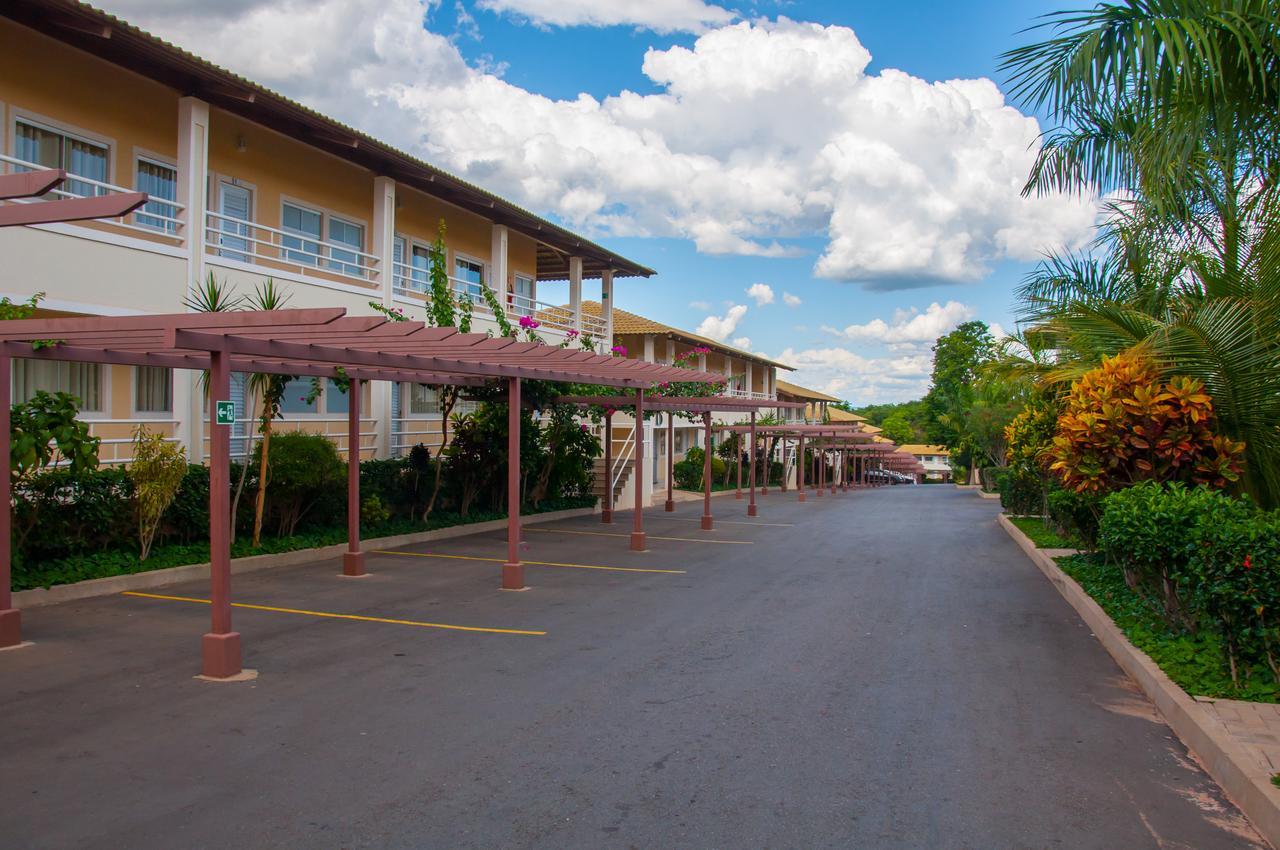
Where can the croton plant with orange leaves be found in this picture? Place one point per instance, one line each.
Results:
(1121, 424)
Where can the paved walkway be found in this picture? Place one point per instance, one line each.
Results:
(878, 669)
(1253, 724)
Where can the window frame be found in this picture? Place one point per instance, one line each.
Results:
(411, 243)
(104, 386)
(477, 298)
(325, 262)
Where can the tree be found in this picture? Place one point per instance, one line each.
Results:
(958, 357)
(1168, 106)
(898, 429)
(44, 429)
(270, 389)
(157, 470)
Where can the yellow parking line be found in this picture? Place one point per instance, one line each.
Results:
(649, 536)
(330, 615)
(726, 521)
(534, 563)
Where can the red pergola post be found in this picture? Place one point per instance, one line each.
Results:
(671, 450)
(706, 472)
(800, 468)
(844, 470)
(767, 463)
(221, 646)
(606, 509)
(637, 528)
(751, 504)
(513, 570)
(10, 617)
(353, 558)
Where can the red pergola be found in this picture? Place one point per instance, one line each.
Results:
(825, 434)
(704, 405)
(317, 343)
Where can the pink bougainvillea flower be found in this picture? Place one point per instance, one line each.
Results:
(583, 427)
(1248, 563)
(571, 333)
(620, 350)
(529, 322)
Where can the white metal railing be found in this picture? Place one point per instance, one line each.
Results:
(736, 392)
(158, 217)
(249, 242)
(244, 432)
(621, 461)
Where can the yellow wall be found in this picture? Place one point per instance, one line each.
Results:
(57, 85)
(418, 217)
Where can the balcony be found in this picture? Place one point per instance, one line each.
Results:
(256, 244)
(735, 392)
(158, 218)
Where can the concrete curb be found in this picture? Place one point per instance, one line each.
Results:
(1241, 776)
(172, 575)
(967, 486)
(984, 494)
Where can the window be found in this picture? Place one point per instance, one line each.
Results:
(423, 401)
(522, 290)
(304, 223)
(413, 274)
(54, 149)
(160, 182)
(294, 399)
(470, 278)
(352, 235)
(82, 380)
(335, 400)
(152, 389)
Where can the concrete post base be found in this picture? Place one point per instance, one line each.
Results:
(751, 510)
(353, 564)
(10, 627)
(706, 523)
(513, 577)
(638, 543)
(669, 506)
(221, 655)
(606, 516)
(800, 496)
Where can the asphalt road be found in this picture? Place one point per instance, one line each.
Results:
(876, 669)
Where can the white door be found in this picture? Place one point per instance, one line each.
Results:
(234, 202)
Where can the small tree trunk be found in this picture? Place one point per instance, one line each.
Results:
(261, 501)
(447, 398)
(244, 471)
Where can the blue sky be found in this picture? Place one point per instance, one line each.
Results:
(844, 160)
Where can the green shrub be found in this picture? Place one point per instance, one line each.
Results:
(156, 471)
(1233, 579)
(1074, 515)
(303, 469)
(372, 512)
(1152, 530)
(1021, 493)
(688, 475)
(61, 512)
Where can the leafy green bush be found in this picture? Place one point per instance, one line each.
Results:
(688, 475)
(302, 469)
(1234, 580)
(1021, 493)
(372, 512)
(1075, 515)
(61, 512)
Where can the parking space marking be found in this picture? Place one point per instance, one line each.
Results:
(534, 563)
(649, 536)
(330, 615)
(725, 521)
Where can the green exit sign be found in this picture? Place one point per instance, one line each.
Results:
(226, 413)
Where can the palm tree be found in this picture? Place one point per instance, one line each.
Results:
(1166, 106)
(270, 389)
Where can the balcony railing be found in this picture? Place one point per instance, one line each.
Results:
(249, 242)
(157, 217)
(736, 392)
(414, 282)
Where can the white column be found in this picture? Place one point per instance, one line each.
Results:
(499, 252)
(606, 308)
(671, 351)
(193, 189)
(702, 362)
(648, 348)
(382, 245)
(751, 377)
(575, 291)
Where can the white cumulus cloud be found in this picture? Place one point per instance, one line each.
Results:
(760, 134)
(791, 300)
(859, 379)
(910, 325)
(721, 328)
(657, 15)
(743, 342)
(761, 292)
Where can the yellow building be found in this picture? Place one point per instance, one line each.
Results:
(817, 405)
(935, 459)
(245, 185)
